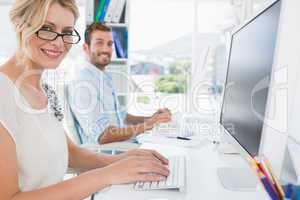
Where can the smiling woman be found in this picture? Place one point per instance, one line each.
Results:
(31, 47)
(34, 150)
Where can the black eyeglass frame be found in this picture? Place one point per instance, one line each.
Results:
(60, 35)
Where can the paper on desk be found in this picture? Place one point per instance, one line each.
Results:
(159, 139)
(186, 125)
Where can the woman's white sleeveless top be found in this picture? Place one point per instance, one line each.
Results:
(40, 141)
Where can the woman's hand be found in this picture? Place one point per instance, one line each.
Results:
(136, 168)
(152, 154)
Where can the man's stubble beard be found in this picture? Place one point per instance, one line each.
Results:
(94, 61)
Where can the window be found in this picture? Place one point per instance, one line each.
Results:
(7, 34)
(160, 51)
(215, 20)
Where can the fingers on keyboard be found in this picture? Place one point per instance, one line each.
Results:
(152, 154)
(150, 177)
(160, 157)
(175, 179)
(154, 167)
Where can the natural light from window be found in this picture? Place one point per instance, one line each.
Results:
(160, 53)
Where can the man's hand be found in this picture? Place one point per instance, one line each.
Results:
(161, 116)
(162, 110)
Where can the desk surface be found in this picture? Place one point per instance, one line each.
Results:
(202, 178)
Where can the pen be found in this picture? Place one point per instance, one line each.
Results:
(288, 191)
(182, 138)
(268, 176)
(275, 180)
(178, 137)
(265, 182)
(273, 195)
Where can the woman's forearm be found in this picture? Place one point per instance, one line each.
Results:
(79, 187)
(83, 159)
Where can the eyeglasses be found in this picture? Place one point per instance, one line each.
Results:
(69, 38)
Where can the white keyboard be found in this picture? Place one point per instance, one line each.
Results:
(175, 180)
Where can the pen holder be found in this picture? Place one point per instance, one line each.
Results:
(292, 192)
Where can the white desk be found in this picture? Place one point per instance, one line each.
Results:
(202, 179)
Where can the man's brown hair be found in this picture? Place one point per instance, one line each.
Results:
(95, 26)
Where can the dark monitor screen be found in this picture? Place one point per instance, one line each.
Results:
(248, 77)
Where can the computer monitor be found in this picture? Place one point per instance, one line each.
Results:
(250, 63)
(248, 76)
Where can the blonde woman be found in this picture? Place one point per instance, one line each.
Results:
(34, 150)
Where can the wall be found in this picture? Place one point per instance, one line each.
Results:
(7, 34)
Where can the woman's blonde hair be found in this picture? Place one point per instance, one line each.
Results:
(28, 16)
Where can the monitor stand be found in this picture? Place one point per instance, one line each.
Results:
(237, 179)
(227, 148)
(232, 178)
